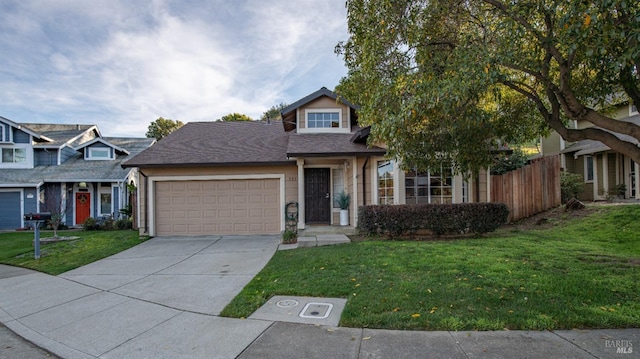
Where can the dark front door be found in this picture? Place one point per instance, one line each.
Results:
(317, 199)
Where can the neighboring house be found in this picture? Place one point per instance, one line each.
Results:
(71, 167)
(603, 171)
(238, 177)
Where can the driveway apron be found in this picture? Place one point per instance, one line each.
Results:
(158, 299)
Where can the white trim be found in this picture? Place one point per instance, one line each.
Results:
(339, 129)
(354, 190)
(633, 109)
(2, 134)
(90, 156)
(637, 172)
(301, 204)
(153, 179)
(585, 169)
(28, 151)
(103, 190)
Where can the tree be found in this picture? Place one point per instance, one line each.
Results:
(235, 117)
(56, 204)
(162, 127)
(274, 112)
(444, 80)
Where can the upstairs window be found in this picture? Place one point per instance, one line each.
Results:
(14, 155)
(99, 153)
(323, 120)
(2, 139)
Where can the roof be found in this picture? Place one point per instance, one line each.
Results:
(587, 147)
(288, 113)
(19, 126)
(219, 143)
(76, 169)
(328, 144)
(60, 134)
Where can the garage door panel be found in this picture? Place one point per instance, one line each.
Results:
(218, 207)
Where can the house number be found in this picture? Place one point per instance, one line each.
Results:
(292, 179)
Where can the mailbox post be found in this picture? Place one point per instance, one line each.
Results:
(37, 218)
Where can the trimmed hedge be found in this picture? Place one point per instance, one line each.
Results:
(397, 220)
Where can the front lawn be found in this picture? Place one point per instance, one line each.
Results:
(581, 273)
(16, 248)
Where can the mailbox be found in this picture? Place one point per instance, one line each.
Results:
(44, 216)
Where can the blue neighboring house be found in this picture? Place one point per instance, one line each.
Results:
(71, 167)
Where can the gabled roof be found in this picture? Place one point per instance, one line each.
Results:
(77, 169)
(61, 134)
(288, 113)
(21, 127)
(218, 143)
(119, 150)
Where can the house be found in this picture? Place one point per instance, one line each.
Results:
(69, 167)
(238, 177)
(604, 172)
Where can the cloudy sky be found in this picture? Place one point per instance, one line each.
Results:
(121, 64)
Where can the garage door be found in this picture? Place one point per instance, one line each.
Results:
(195, 208)
(10, 210)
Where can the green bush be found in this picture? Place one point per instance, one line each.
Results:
(289, 237)
(505, 162)
(90, 224)
(570, 185)
(124, 224)
(398, 220)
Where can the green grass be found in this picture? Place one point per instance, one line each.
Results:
(16, 248)
(582, 273)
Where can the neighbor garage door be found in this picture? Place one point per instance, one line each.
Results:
(194, 208)
(10, 210)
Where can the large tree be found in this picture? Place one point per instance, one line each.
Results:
(235, 117)
(162, 127)
(443, 80)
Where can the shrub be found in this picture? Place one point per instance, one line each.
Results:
(570, 185)
(289, 237)
(124, 224)
(504, 162)
(90, 224)
(397, 220)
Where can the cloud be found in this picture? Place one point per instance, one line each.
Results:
(124, 64)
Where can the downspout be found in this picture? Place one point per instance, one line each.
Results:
(364, 181)
(146, 200)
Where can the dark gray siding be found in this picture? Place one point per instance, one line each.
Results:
(10, 211)
(45, 158)
(30, 200)
(20, 136)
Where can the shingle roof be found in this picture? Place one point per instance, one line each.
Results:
(59, 133)
(328, 144)
(218, 144)
(586, 147)
(77, 169)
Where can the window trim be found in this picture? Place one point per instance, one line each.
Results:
(307, 129)
(105, 191)
(91, 156)
(586, 169)
(394, 179)
(13, 162)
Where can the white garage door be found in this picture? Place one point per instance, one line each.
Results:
(194, 208)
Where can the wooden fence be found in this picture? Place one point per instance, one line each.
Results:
(528, 190)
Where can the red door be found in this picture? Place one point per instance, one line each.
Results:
(83, 207)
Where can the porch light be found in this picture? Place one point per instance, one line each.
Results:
(82, 184)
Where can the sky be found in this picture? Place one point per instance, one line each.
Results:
(121, 64)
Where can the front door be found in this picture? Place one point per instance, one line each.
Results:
(83, 207)
(317, 199)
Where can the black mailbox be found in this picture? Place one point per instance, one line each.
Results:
(44, 216)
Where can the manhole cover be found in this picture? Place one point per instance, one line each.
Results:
(287, 303)
(316, 310)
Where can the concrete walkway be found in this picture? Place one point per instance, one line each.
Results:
(162, 298)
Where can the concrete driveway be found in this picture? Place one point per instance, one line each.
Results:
(158, 299)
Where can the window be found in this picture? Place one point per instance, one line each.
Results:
(425, 187)
(338, 184)
(99, 153)
(323, 119)
(416, 187)
(588, 168)
(633, 109)
(2, 133)
(385, 182)
(14, 155)
(105, 203)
